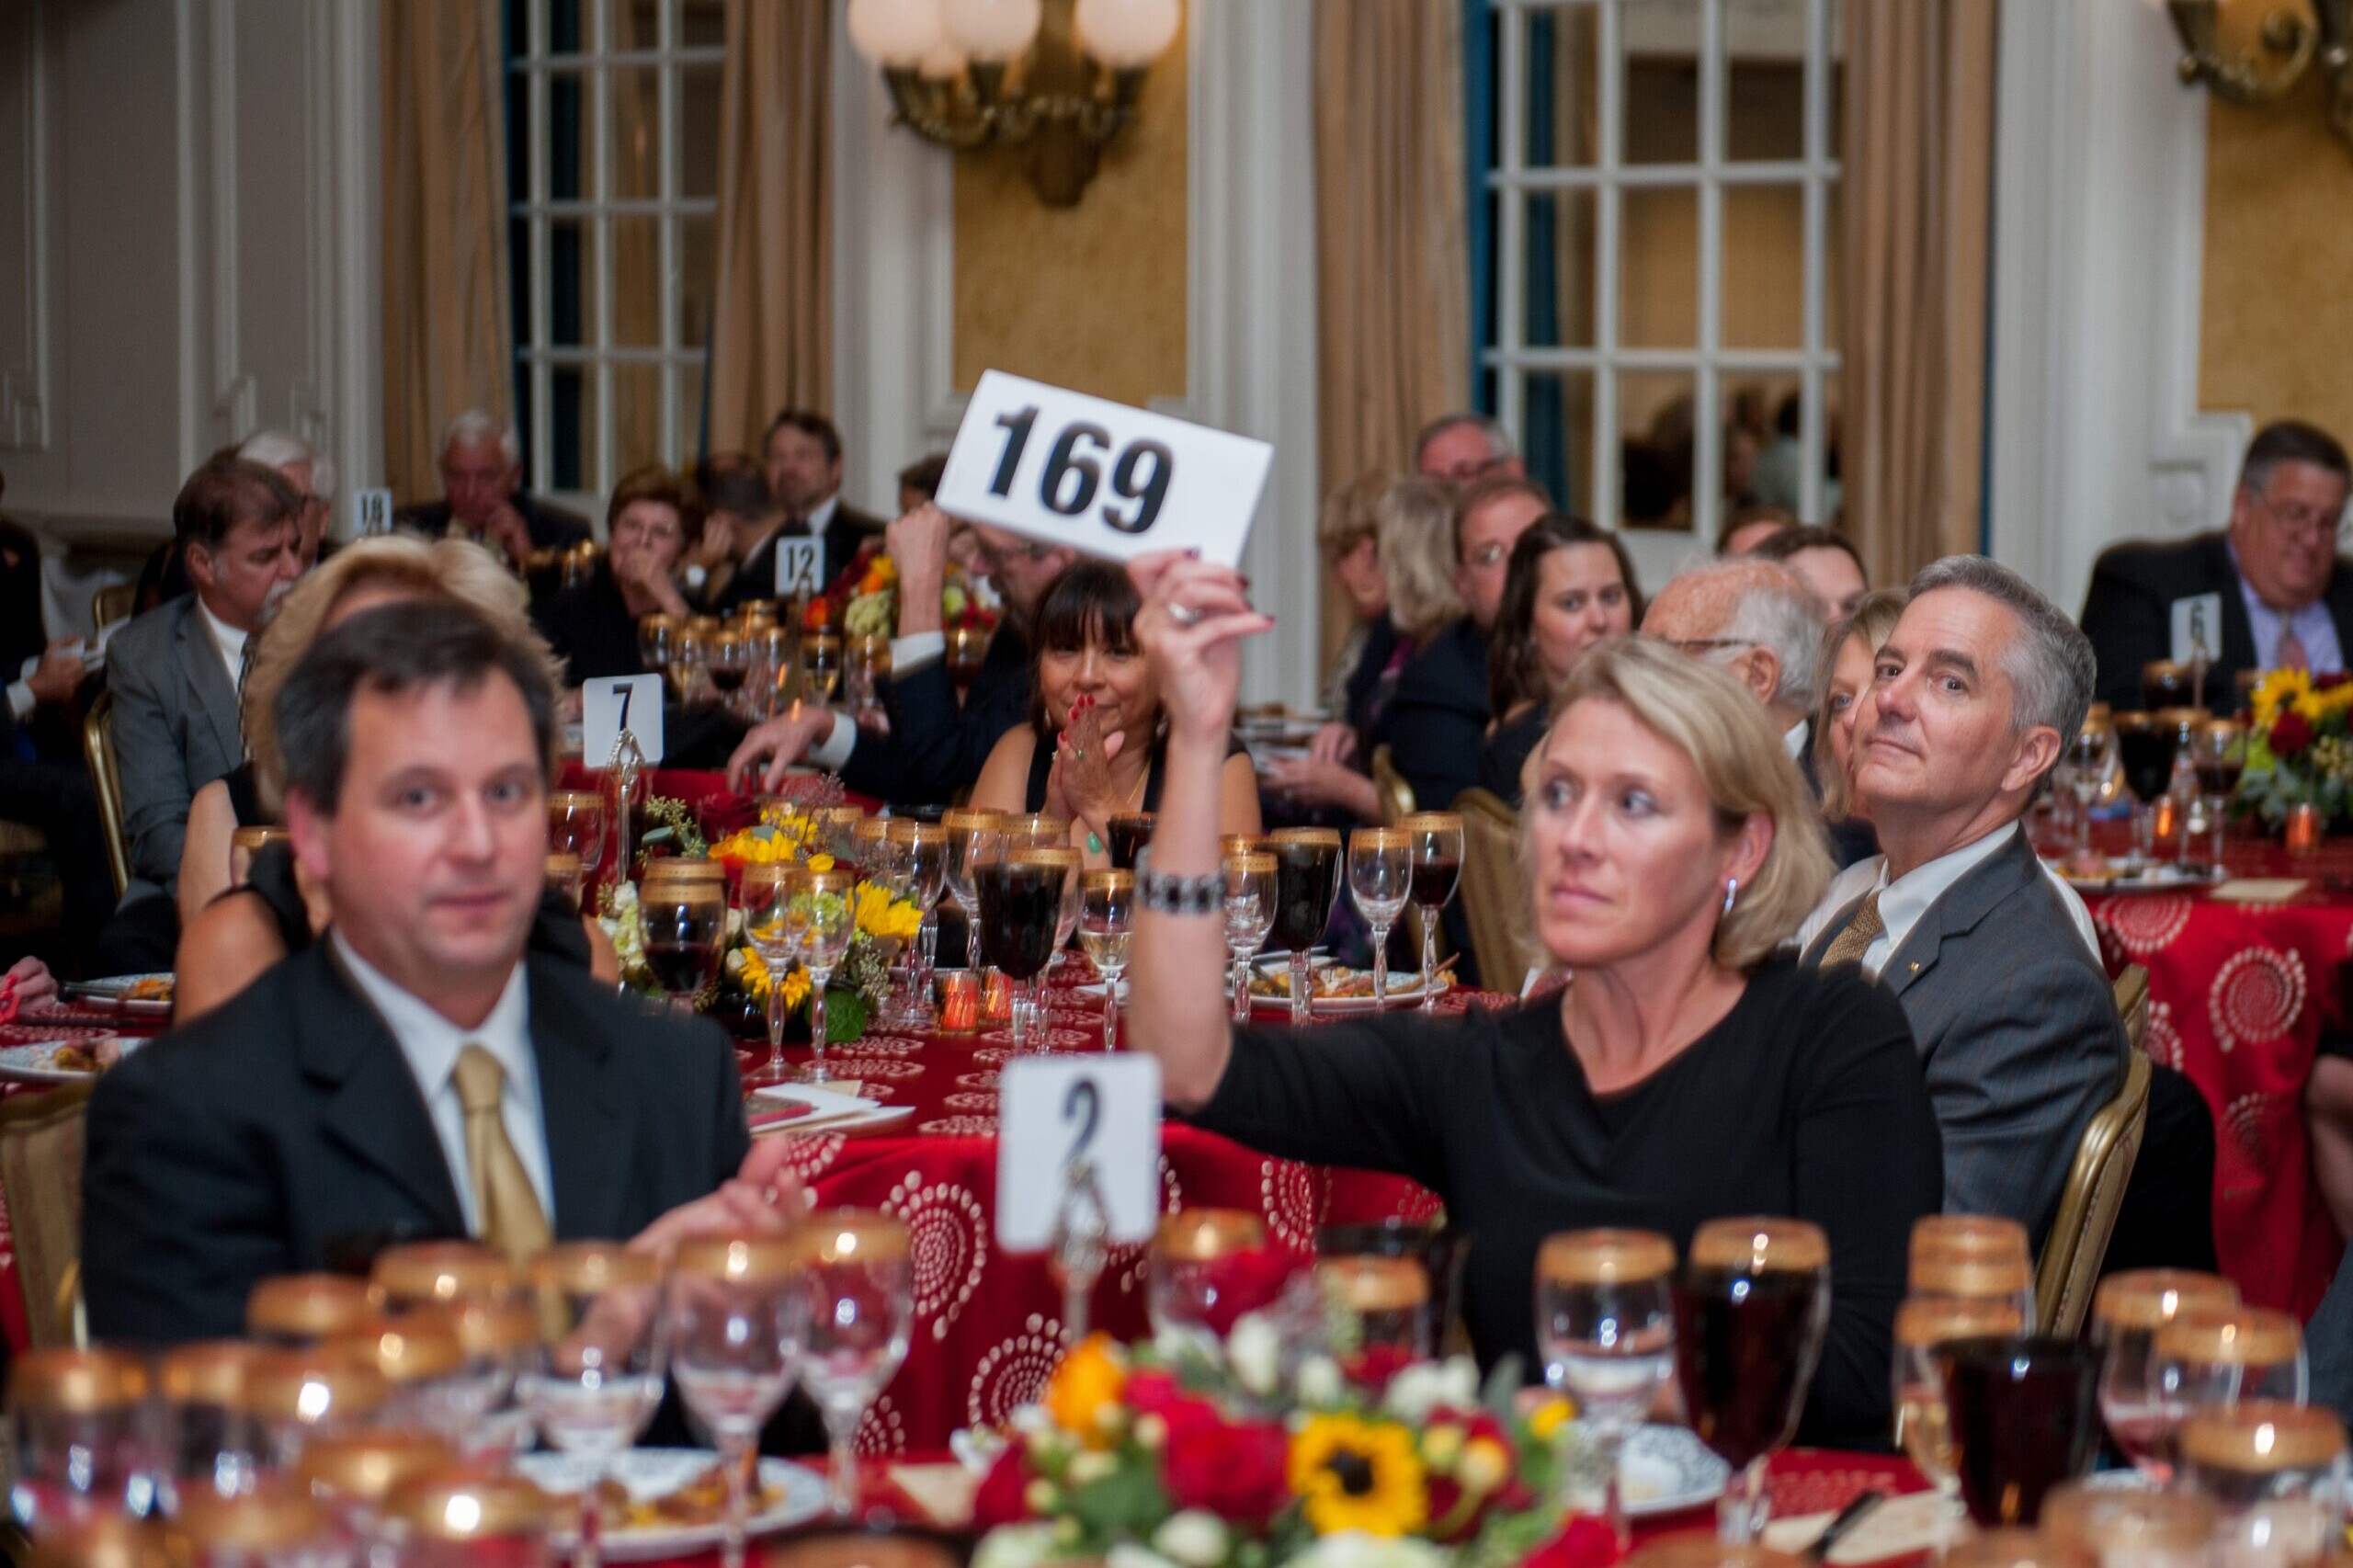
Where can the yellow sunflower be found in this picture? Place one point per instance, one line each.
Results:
(882, 916)
(1358, 1475)
(755, 979)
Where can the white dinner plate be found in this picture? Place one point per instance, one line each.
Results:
(829, 1110)
(1405, 990)
(106, 996)
(1665, 1469)
(656, 1472)
(30, 1063)
(2146, 876)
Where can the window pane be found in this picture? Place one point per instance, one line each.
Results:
(567, 25)
(698, 280)
(571, 271)
(702, 23)
(1556, 434)
(1836, 66)
(1833, 267)
(567, 150)
(1765, 79)
(1763, 261)
(572, 427)
(1662, 44)
(698, 131)
(1655, 478)
(1658, 268)
(1756, 466)
(1561, 95)
(637, 133)
(637, 418)
(637, 282)
(1557, 269)
(689, 374)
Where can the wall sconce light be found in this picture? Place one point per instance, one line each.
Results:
(2291, 38)
(1059, 79)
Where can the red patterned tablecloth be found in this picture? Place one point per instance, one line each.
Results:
(2240, 995)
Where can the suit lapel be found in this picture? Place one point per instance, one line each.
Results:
(580, 1107)
(2238, 633)
(374, 1108)
(2339, 599)
(1964, 904)
(209, 681)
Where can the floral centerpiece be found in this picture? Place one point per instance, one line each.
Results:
(2298, 747)
(869, 608)
(1165, 1455)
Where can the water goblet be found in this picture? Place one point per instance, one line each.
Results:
(859, 1284)
(820, 664)
(821, 918)
(2142, 1410)
(924, 847)
(1106, 925)
(1249, 915)
(975, 838)
(2212, 1356)
(599, 1373)
(737, 1311)
(1605, 1322)
(77, 1437)
(1380, 869)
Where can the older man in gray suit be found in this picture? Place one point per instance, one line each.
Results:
(2018, 1029)
(175, 671)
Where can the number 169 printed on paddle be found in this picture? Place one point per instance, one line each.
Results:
(1100, 476)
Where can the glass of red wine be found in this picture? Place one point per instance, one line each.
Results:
(1307, 881)
(1129, 832)
(1438, 867)
(683, 905)
(2024, 1414)
(2146, 745)
(967, 648)
(1750, 1310)
(1020, 910)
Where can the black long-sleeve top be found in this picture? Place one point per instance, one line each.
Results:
(1806, 1100)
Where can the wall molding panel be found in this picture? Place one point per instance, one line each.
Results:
(24, 230)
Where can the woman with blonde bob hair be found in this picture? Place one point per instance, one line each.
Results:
(1689, 1069)
(230, 935)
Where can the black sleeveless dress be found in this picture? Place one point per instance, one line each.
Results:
(1041, 763)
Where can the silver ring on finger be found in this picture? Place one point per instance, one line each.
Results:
(1185, 615)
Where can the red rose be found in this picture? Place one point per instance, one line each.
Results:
(1000, 1500)
(1583, 1542)
(2333, 679)
(1372, 1367)
(1151, 1391)
(1234, 1471)
(1244, 1282)
(2290, 733)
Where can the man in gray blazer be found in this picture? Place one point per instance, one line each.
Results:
(1974, 693)
(174, 671)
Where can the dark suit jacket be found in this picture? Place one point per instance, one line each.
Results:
(591, 629)
(1437, 723)
(2018, 1032)
(936, 746)
(278, 1130)
(176, 729)
(552, 527)
(2128, 612)
(755, 577)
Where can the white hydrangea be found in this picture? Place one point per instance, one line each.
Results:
(1426, 1386)
(1353, 1549)
(1016, 1546)
(1320, 1382)
(1128, 1554)
(1254, 1350)
(1192, 1537)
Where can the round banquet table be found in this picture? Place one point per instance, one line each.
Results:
(2240, 996)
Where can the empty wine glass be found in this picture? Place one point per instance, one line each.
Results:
(657, 641)
(577, 826)
(1039, 830)
(859, 1285)
(974, 838)
(822, 917)
(1750, 1312)
(2272, 1468)
(78, 1437)
(924, 847)
(2087, 758)
(1105, 923)
(1437, 869)
(597, 1378)
(2209, 1356)
(208, 1441)
(564, 875)
(1249, 915)
(820, 664)
(1973, 1258)
(737, 1311)
(869, 662)
(689, 659)
(1380, 869)
(683, 912)
(766, 894)
(2143, 1412)
(968, 649)
(1605, 1320)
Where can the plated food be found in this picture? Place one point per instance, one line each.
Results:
(2090, 872)
(666, 1502)
(69, 1060)
(137, 996)
(1334, 987)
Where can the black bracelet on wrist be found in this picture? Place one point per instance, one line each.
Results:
(1166, 893)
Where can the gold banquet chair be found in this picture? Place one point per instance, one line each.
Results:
(106, 783)
(1389, 787)
(41, 1143)
(2068, 1270)
(113, 603)
(1495, 894)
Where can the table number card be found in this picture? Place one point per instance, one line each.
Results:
(616, 703)
(371, 513)
(1100, 476)
(799, 566)
(1053, 1110)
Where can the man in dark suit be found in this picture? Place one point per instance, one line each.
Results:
(802, 456)
(2017, 1027)
(483, 498)
(414, 1075)
(936, 745)
(2268, 591)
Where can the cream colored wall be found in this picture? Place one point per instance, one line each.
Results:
(1092, 296)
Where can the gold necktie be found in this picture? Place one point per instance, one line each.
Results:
(1848, 945)
(505, 1203)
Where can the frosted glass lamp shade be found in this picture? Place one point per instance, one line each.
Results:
(895, 33)
(1124, 34)
(991, 30)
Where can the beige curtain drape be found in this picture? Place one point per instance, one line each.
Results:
(447, 343)
(773, 324)
(1918, 166)
(1390, 264)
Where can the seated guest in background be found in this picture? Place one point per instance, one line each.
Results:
(1091, 748)
(1463, 448)
(1750, 526)
(919, 481)
(175, 671)
(1570, 585)
(1843, 676)
(1404, 526)
(229, 937)
(2016, 1028)
(1672, 850)
(419, 1073)
(2268, 591)
(650, 521)
(1825, 558)
(311, 473)
(736, 510)
(803, 453)
(483, 498)
(1756, 619)
(1437, 720)
(936, 743)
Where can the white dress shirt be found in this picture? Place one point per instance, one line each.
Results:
(1794, 738)
(431, 1044)
(1903, 903)
(228, 640)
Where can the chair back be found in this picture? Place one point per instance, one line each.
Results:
(2133, 1002)
(1389, 787)
(113, 603)
(106, 783)
(1495, 890)
(42, 1139)
(2078, 1244)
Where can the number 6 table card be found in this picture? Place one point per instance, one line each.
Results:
(1052, 1110)
(1100, 476)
